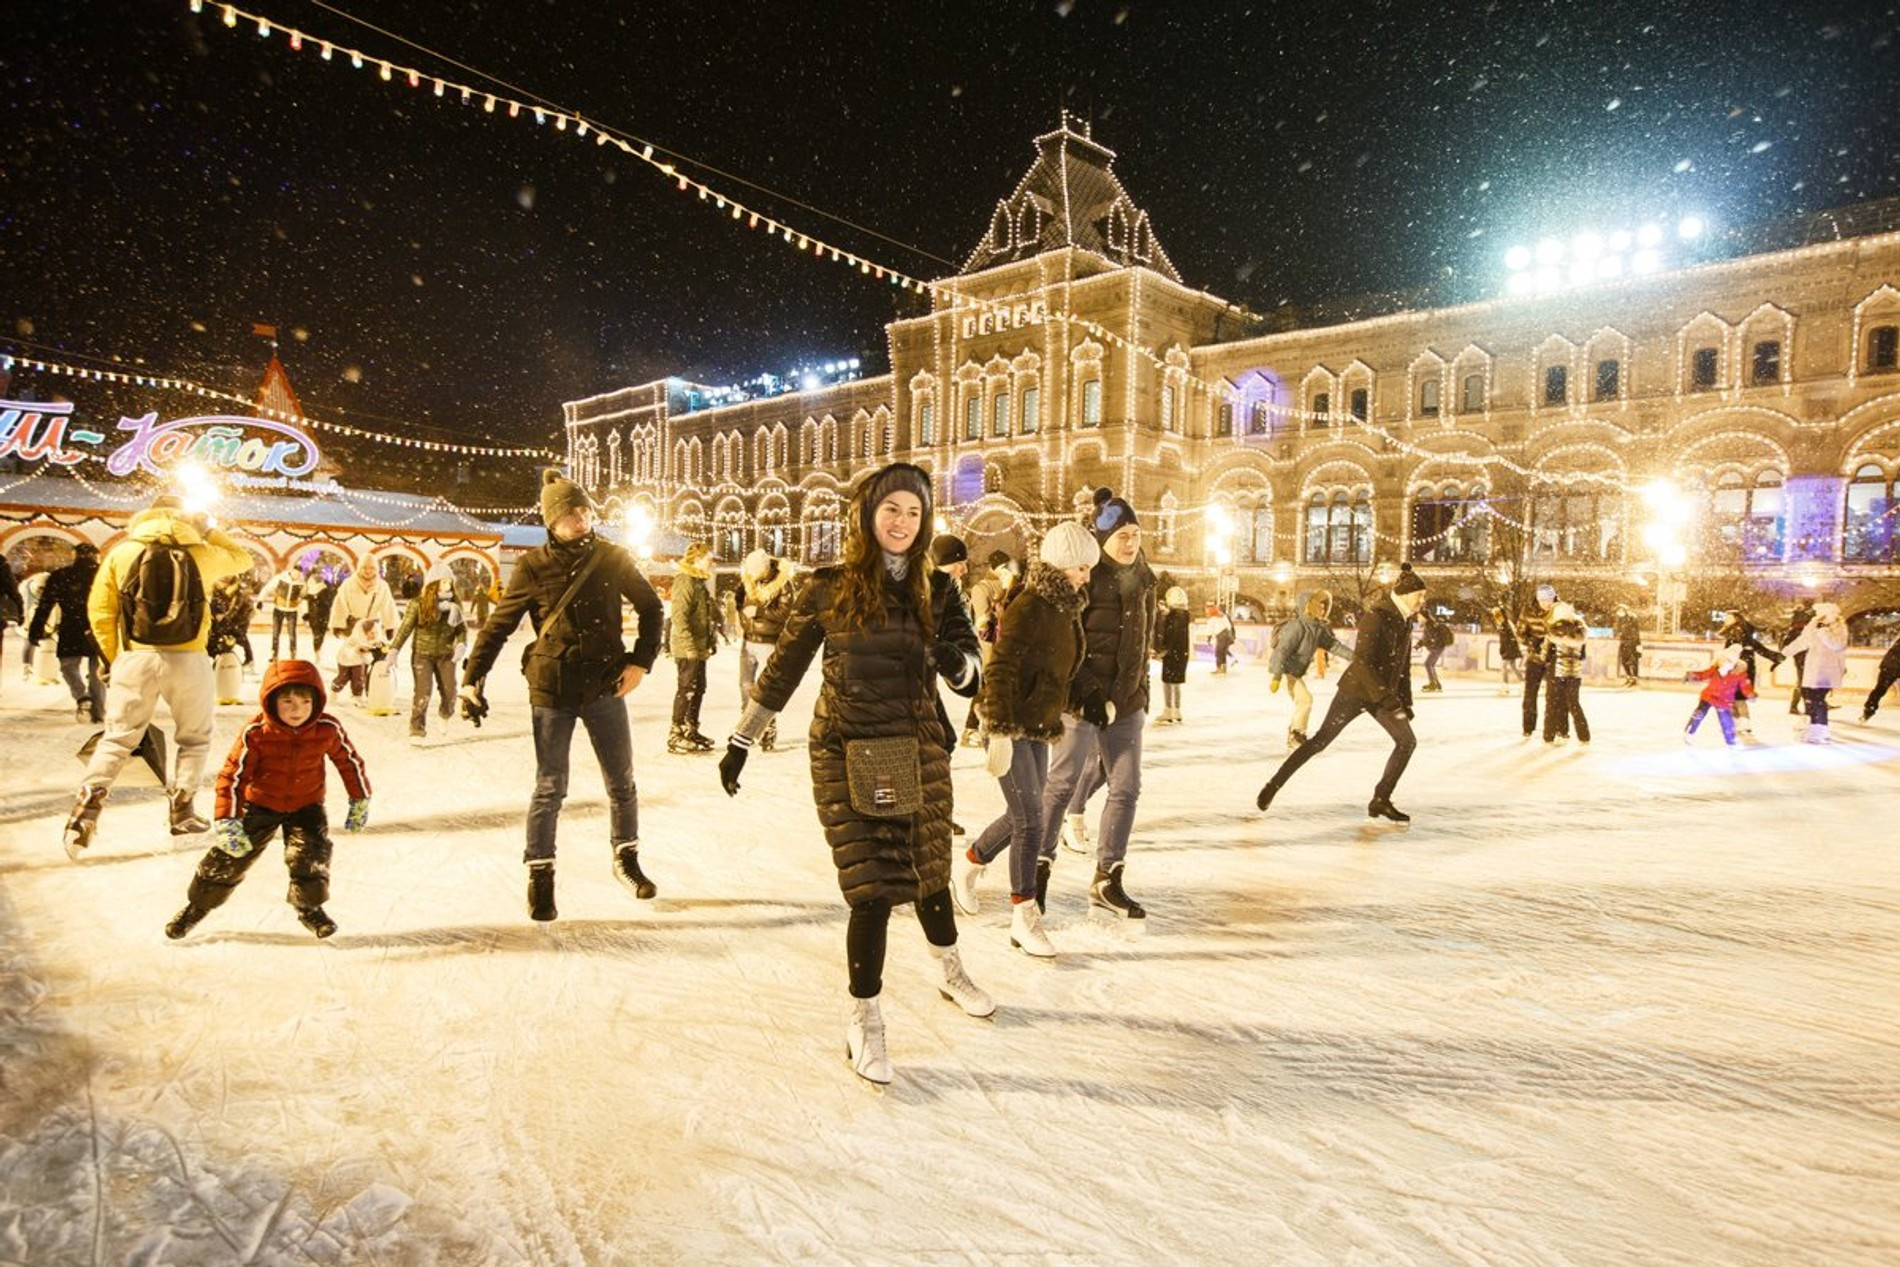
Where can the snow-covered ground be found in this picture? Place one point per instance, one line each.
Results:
(1633, 1003)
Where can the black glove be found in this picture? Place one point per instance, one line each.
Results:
(474, 705)
(948, 662)
(731, 764)
(1094, 709)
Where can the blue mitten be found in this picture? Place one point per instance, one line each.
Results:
(230, 837)
(358, 817)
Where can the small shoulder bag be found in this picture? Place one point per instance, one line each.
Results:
(885, 776)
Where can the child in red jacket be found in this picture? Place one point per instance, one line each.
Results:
(274, 778)
(1726, 679)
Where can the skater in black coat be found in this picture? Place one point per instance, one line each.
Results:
(1378, 681)
(888, 626)
(579, 671)
(66, 592)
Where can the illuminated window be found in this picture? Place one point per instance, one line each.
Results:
(1092, 403)
(999, 414)
(973, 416)
(1360, 402)
(1867, 534)
(1471, 394)
(1765, 366)
(1339, 527)
(1224, 420)
(1609, 380)
(1032, 410)
(1582, 524)
(1883, 348)
(1704, 366)
(927, 423)
(1259, 418)
(1261, 544)
(1556, 385)
(1167, 408)
(1449, 525)
(1322, 409)
(1428, 398)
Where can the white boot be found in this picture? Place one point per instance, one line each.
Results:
(1818, 734)
(957, 986)
(864, 1042)
(1075, 834)
(1025, 932)
(963, 877)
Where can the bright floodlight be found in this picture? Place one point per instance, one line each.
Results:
(1690, 228)
(1586, 246)
(1581, 271)
(1621, 240)
(197, 486)
(1518, 258)
(1519, 284)
(1549, 278)
(809, 382)
(1550, 251)
(1674, 556)
(1649, 235)
(1610, 266)
(1645, 262)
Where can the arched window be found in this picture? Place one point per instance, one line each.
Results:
(1867, 534)
(1451, 525)
(1428, 398)
(1578, 523)
(1339, 527)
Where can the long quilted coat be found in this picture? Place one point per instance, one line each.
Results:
(877, 684)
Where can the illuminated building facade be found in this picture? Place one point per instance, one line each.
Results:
(1726, 434)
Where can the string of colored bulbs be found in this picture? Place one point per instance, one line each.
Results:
(582, 127)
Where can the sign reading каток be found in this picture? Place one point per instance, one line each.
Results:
(37, 431)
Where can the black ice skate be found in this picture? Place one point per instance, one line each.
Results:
(313, 918)
(1382, 807)
(627, 871)
(184, 921)
(541, 891)
(84, 820)
(1107, 894)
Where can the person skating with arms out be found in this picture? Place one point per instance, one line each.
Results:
(1296, 643)
(1725, 681)
(887, 627)
(579, 672)
(271, 781)
(1379, 682)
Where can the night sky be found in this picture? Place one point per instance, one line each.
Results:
(167, 181)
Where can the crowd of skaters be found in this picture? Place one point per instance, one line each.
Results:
(1054, 651)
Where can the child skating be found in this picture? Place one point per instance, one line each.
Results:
(1725, 680)
(272, 779)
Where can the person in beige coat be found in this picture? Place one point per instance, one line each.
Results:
(142, 674)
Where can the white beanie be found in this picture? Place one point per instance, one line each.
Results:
(755, 565)
(1070, 545)
(439, 572)
(1177, 597)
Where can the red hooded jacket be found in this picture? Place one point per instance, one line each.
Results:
(1723, 687)
(273, 766)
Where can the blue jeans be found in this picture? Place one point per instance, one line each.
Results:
(1116, 747)
(1019, 827)
(607, 729)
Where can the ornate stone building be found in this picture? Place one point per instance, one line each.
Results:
(1726, 434)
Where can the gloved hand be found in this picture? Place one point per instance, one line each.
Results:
(358, 817)
(228, 836)
(948, 662)
(737, 750)
(996, 760)
(1401, 711)
(1273, 685)
(1095, 710)
(474, 707)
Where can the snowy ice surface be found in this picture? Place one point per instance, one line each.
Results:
(1633, 1003)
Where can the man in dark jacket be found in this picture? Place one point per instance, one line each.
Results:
(1108, 704)
(1378, 681)
(1797, 621)
(66, 592)
(578, 670)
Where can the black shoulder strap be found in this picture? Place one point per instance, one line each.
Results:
(587, 569)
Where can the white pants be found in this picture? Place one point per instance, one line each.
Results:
(184, 680)
(1302, 698)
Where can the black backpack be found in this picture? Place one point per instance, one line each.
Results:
(162, 603)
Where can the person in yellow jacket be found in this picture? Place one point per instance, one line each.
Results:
(178, 672)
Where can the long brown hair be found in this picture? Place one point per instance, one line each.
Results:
(858, 601)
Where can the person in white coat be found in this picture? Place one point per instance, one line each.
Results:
(1825, 642)
(365, 596)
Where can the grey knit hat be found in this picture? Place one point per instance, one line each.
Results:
(560, 495)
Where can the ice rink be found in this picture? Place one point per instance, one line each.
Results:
(1627, 1004)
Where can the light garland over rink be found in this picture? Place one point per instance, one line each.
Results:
(8, 362)
(736, 210)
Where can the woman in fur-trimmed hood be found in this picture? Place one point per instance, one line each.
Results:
(887, 626)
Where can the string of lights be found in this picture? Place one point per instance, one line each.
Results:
(9, 362)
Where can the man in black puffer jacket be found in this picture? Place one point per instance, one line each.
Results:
(1108, 705)
(578, 670)
(66, 591)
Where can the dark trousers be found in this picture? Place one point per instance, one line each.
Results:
(356, 676)
(1629, 659)
(868, 932)
(1344, 708)
(689, 692)
(1797, 697)
(606, 723)
(1564, 709)
(1534, 671)
(1431, 666)
(1887, 678)
(426, 672)
(90, 689)
(1817, 704)
(306, 854)
(281, 620)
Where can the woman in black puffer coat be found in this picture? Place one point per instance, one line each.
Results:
(888, 626)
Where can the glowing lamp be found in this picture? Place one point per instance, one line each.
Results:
(1518, 258)
(1649, 235)
(1690, 228)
